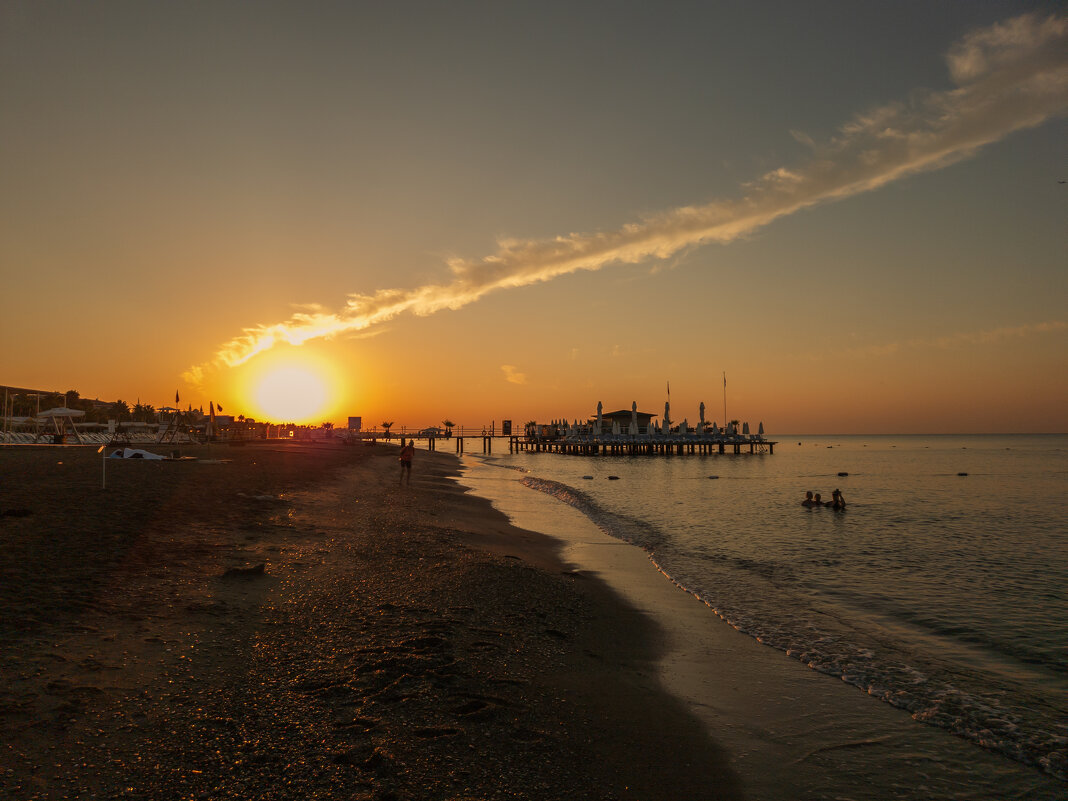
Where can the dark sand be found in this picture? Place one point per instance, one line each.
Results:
(401, 643)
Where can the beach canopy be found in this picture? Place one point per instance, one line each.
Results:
(50, 414)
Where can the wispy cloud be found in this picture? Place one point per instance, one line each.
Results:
(993, 336)
(962, 339)
(1011, 76)
(512, 375)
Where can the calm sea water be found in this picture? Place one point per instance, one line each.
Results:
(941, 593)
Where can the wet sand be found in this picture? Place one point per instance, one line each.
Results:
(398, 643)
(789, 732)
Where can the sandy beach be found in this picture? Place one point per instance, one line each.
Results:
(399, 643)
(284, 621)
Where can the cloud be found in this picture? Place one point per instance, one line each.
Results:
(961, 339)
(995, 335)
(1011, 76)
(512, 375)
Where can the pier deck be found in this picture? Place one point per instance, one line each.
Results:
(640, 446)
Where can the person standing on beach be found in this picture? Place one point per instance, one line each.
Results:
(406, 454)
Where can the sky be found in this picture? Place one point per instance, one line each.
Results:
(850, 213)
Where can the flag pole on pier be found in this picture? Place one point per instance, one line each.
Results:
(724, 398)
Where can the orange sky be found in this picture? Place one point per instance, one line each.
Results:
(856, 217)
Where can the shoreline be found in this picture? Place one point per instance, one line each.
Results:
(790, 731)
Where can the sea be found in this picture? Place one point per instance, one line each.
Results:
(941, 589)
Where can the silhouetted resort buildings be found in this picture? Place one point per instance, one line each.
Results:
(630, 432)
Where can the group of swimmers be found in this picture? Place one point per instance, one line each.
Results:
(837, 500)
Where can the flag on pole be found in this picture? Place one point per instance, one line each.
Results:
(175, 397)
(724, 380)
(669, 388)
(219, 407)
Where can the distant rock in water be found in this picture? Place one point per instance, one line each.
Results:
(613, 478)
(243, 572)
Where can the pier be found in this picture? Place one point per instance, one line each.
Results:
(641, 445)
(626, 432)
(629, 432)
(591, 445)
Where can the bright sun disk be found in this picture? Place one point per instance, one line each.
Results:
(291, 394)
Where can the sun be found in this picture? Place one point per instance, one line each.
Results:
(291, 392)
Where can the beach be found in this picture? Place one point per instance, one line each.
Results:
(398, 643)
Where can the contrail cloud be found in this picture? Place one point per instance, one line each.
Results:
(1008, 77)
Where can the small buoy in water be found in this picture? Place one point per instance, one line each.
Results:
(843, 474)
(613, 478)
(587, 477)
(713, 476)
(962, 474)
